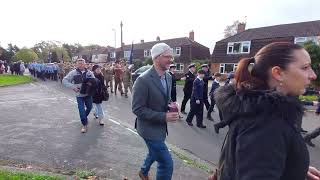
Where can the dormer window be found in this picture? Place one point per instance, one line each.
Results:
(239, 47)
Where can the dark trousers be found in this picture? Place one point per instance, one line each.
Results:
(84, 107)
(315, 133)
(186, 98)
(195, 109)
(206, 103)
(213, 102)
(55, 75)
(174, 96)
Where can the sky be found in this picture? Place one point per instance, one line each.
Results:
(26, 23)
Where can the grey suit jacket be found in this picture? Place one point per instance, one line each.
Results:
(150, 104)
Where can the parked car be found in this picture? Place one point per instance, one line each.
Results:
(139, 71)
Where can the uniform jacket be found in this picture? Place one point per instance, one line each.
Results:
(150, 104)
(189, 83)
(197, 90)
(215, 85)
(264, 141)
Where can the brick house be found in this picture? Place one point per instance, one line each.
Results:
(185, 49)
(246, 43)
(98, 54)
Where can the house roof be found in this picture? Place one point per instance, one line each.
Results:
(176, 42)
(302, 29)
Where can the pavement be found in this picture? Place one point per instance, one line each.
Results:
(41, 126)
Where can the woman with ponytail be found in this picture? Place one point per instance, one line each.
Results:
(263, 113)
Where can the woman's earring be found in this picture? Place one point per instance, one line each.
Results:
(280, 84)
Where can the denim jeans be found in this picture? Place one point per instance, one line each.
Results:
(99, 111)
(159, 152)
(84, 107)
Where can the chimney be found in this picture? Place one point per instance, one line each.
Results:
(241, 27)
(122, 45)
(158, 38)
(191, 35)
(142, 41)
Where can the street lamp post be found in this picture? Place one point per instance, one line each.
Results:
(115, 42)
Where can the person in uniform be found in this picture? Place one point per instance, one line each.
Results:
(196, 101)
(118, 73)
(127, 80)
(187, 89)
(206, 79)
(172, 72)
(108, 75)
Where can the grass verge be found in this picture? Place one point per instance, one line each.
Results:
(15, 175)
(181, 82)
(8, 80)
(309, 98)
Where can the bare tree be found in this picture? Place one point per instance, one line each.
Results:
(231, 29)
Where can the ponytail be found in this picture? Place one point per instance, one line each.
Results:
(243, 75)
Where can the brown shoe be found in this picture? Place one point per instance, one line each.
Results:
(84, 129)
(143, 177)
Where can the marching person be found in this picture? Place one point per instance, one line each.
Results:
(127, 79)
(215, 85)
(118, 74)
(187, 89)
(206, 79)
(150, 101)
(172, 72)
(74, 79)
(196, 101)
(263, 110)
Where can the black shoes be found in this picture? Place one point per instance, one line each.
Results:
(201, 126)
(189, 123)
(303, 131)
(216, 129)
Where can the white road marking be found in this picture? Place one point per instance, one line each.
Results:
(116, 122)
(132, 131)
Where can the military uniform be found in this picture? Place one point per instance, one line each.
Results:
(196, 109)
(118, 75)
(127, 80)
(108, 76)
(187, 89)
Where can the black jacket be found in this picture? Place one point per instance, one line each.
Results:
(187, 89)
(174, 87)
(206, 79)
(264, 141)
(98, 96)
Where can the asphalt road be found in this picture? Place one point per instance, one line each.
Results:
(204, 143)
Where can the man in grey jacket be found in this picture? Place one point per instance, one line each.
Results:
(74, 80)
(150, 100)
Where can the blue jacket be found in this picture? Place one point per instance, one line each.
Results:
(215, 85)
(197, 89)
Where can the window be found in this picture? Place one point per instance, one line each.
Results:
(177, 51)
(126, 54)
(147, 53)
(180, 67)
(113, 54)
(227, 68)
(301, 40)
(239, 47)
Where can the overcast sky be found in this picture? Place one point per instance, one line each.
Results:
(26, 22)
